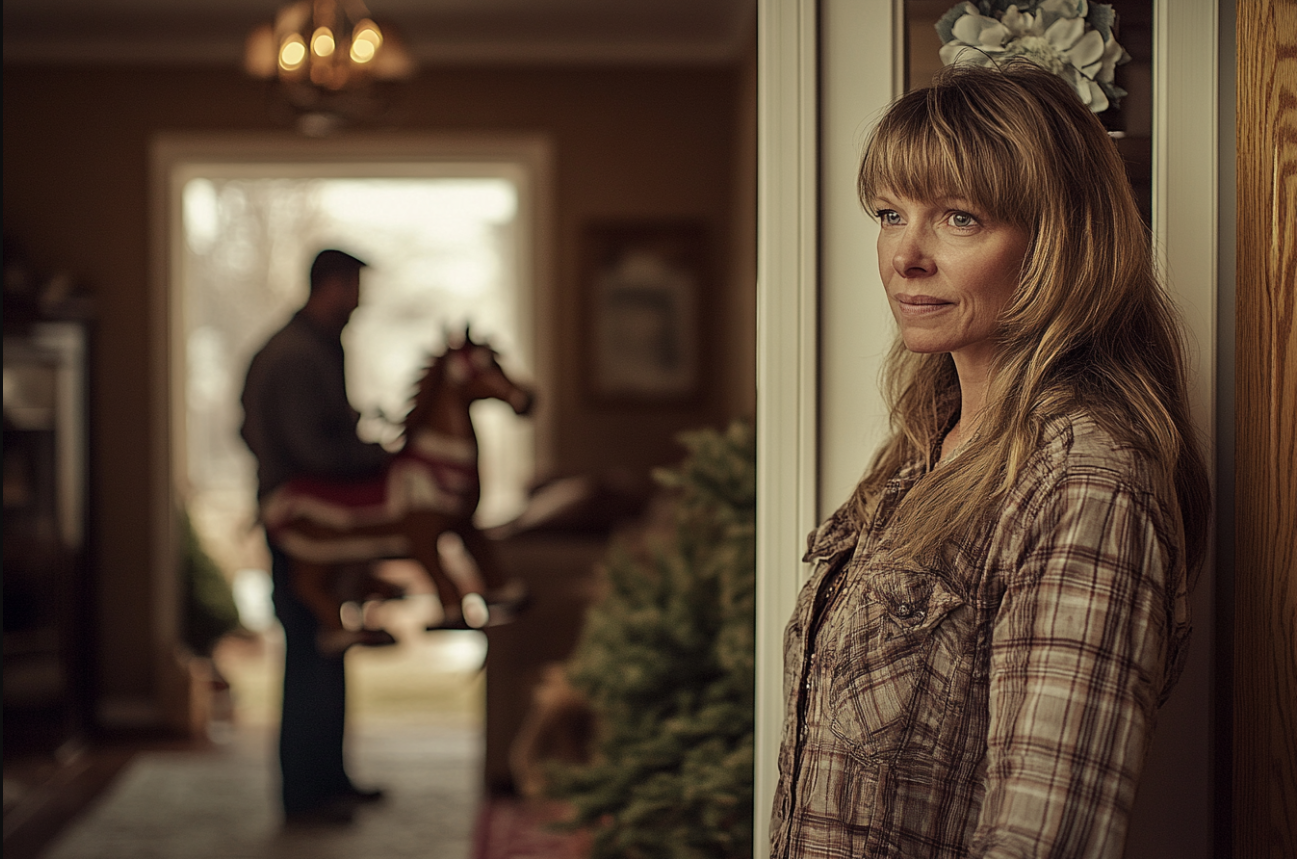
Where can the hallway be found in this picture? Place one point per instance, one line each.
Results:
(218, 803)
(415, 729)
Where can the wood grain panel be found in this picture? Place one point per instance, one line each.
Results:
(1265, 667)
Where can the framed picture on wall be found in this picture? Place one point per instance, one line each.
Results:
(643, 288)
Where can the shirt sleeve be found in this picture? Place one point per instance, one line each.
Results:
(1079, 659)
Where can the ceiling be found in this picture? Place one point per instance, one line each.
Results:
(212, 32)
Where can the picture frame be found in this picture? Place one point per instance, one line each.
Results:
(643, 293)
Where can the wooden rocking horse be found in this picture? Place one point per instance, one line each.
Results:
(329, 529)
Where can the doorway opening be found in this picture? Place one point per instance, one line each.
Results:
(447, 248)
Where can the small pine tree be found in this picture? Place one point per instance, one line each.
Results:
(209, 608)
(666, 660)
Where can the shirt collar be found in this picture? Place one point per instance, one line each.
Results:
(839, 534)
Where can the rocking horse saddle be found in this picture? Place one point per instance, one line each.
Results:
(435, 473)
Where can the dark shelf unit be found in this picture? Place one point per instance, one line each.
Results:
(47, 606)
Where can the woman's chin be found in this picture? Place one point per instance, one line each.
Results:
(921, 345)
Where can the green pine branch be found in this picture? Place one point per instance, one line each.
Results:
(666, 661)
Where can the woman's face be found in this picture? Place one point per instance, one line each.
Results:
(948, 269)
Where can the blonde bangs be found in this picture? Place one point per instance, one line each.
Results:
(941, 143)
(913, 160)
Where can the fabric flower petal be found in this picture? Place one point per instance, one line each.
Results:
(1083, 93)
(1098, 100)
(1019, 23)
(1065, 8)
(1087, 50)
(977, 30)
(1065, 33)
(1074, 80)
(950, 53)
(945, 25)
(1113, 56)
(968, 28)
(995, 35)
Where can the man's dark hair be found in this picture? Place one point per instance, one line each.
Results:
(331, 263)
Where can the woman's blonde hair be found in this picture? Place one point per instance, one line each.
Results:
(1089, 327)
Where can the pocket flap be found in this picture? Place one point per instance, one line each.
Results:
(913, 599)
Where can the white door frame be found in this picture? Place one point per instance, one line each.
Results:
(823, 327)
(787, 307)
(791, 226)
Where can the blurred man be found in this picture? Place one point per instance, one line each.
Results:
(298, 422)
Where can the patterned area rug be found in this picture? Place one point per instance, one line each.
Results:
(516, 829)
(220, 804)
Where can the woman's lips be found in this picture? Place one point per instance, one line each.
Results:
(921, 305)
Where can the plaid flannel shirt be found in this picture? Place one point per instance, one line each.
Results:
(1000, 707)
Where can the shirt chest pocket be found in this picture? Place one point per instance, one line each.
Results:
(899, 650)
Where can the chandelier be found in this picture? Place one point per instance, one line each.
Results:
(326, 56)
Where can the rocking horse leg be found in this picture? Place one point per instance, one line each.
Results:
(311, 583)
(360, 583)
(505, 597)
(423, 529)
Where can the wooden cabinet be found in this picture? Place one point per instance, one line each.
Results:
(560, 571)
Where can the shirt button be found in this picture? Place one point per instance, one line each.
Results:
(904, 610)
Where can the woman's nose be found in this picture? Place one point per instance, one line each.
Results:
(912, 257)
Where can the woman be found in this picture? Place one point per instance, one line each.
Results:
(993, 619)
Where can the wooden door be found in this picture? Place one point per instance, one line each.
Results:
(1265, 560)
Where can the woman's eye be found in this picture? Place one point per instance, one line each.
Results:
(888, 217)
(962, 220)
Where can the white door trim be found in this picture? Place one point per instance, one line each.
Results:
(810, 237)
(1172, 815)
(787, 205)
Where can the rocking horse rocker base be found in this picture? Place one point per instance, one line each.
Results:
(431, 486)
(483, 611)
(335, 642)
(356, 583)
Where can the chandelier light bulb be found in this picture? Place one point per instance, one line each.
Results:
(322, 43)
(292, 53)
(368, 31)
(362, 51)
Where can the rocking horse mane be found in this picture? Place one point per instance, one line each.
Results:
(431, 380)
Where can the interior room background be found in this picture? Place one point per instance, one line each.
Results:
(667, 141)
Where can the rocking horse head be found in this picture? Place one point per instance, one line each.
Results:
(465, 373)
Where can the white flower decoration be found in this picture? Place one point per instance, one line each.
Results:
(1071, 38)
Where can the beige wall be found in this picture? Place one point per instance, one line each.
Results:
(646, 143)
